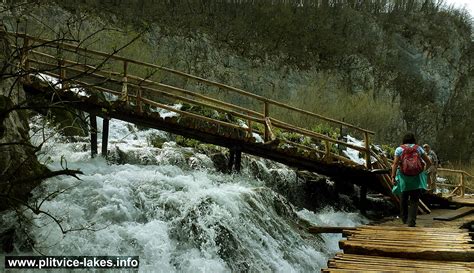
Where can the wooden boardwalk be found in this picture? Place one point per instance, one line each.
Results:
(440, 246)
(365, 263)
(463, 201)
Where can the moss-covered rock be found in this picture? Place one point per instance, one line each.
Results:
(187, 142)
(156, 140)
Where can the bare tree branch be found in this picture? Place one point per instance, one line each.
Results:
(49, 174)
(17, 143)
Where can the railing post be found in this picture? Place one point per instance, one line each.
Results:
(249, 124)
(327, 155)
(124, 82)
(367, 150)
(62, 75)
(139, 100)
(462, 185)
(266, 109)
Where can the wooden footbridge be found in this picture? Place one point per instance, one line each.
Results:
(112, 86)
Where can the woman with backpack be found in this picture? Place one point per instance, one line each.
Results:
(409, 177)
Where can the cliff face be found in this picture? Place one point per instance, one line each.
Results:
(394, 67)
(18, 163)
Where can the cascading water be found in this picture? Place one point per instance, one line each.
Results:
(171, 208)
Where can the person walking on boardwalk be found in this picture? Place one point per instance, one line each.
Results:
(409, 177)
(433, 169)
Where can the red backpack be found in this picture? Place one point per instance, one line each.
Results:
(410, 161)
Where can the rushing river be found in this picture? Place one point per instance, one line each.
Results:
(170, 207)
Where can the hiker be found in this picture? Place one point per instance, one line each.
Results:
(409, 177)
(433, 169)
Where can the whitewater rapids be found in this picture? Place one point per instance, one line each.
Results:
(170, 207)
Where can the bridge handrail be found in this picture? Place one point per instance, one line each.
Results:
(461, 186)
(455, 171)
(217, 84)
(277, 123)
(142, 80)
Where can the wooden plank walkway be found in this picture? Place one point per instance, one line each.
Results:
(365, 263)
(460, 212)
(395, 248)
(467, 200)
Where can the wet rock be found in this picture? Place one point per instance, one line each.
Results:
(7, 239)
(220, 162)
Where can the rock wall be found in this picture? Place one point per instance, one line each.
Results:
(431, 84)
(18, 162)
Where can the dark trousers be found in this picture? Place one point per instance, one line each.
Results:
(409, 206)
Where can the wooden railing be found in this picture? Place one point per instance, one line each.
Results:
(460, 185)
(75, 66)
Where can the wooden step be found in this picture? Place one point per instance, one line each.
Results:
(316, 229)
(418, 229)
(389, 260)
(455, 214)
(419, 239)
(400, 265)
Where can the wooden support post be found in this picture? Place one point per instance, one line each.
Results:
(231, 159)
(238, 160)
(124, 82)
(367, 150)
(105, 137)
(266, 109)
(235, 159)
(93, 119)
(363, 199)
(462, 186)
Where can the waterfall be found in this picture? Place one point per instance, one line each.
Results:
(169, 206)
